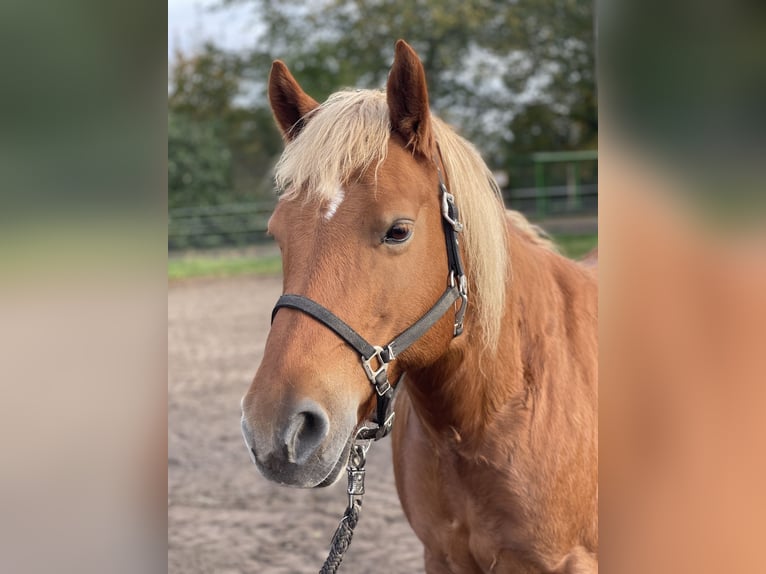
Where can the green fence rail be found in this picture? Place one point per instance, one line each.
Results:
(546, 184)
(218, 226)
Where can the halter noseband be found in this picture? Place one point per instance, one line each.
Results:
(375, 360)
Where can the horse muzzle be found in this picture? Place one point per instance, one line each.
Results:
(301, 451)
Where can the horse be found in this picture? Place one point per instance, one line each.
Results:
(495, 439)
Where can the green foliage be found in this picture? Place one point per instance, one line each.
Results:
(231, 143)
(513, 77)
(489, 63)
(226, 266)
(557, 39)
(576, 246)
(205, 85)
(199, 162)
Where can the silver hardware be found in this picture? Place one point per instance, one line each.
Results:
(355, 469)
(363, 443)
(463, 287)
(460, 313)
(447, 199)
(390, 420)
(356, 482)
(373, 374)
(383, 388)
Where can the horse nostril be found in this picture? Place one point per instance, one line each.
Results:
(305, 432)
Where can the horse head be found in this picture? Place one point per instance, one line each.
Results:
(359, 224)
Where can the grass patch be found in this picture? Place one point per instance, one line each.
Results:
(575, 246)
(201, 266)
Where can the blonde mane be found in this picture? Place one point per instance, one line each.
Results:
(349, 133)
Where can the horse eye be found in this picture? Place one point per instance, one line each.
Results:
(399, 232)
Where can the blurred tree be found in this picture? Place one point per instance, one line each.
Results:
(556, 38)
(539, 128)
(199, 163)
(489, 62)
(206, 103)
(513, 77)
(204, 85)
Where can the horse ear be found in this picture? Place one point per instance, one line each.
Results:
(289, 103)
(407, 97)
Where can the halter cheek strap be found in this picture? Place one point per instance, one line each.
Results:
(375, 359)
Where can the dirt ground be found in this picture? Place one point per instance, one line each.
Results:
(223, 517)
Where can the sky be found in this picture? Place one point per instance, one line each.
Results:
(193, 22)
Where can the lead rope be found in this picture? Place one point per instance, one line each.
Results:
(341, 540)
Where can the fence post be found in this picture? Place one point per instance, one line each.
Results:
(575, 201)
(542, 197)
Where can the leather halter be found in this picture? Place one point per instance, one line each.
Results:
(375, 359)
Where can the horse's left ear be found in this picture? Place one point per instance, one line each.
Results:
(407, 97)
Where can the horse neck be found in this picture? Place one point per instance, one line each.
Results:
(469, 391)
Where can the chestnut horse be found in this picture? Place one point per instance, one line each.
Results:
(495, 438)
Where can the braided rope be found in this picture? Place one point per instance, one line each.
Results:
(341, 540)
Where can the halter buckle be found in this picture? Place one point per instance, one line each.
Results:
(462, 288)
(448, 207)
(378, 376)
(460, 313)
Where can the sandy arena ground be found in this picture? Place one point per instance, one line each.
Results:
(223, 517)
